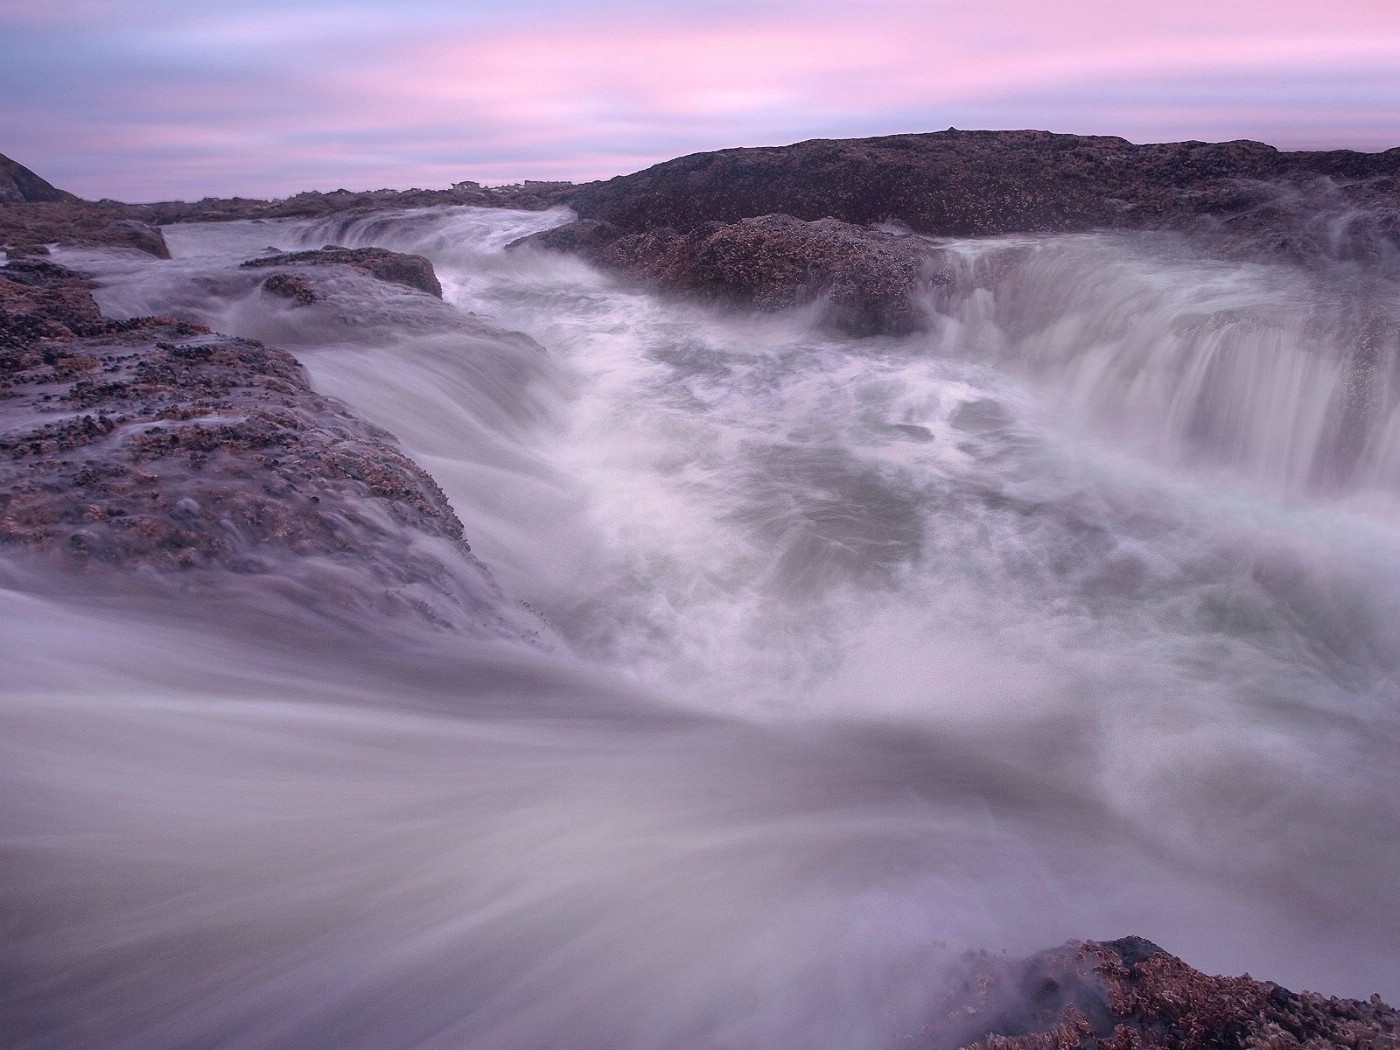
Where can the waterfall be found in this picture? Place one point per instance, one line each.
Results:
(1075, 615)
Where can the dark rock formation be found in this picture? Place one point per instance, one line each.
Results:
(153, 444)
(413, 271)
(18, 184)
(1130, 994)
(39, 300)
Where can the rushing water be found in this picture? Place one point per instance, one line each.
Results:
(1076, 616)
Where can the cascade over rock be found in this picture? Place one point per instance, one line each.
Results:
(412, 271)
(662, 225)
(867, 280)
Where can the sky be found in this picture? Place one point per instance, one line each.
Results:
(143, 100)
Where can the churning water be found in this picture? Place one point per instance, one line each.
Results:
(1076, 616)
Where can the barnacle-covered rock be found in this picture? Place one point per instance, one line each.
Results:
(154, 446)
(1130, 994)
(868, 281)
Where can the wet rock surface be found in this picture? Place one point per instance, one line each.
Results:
(27, 229)
(154, 444)
(1130, 993)
(35, 214)
(868, 281)
(412, 271)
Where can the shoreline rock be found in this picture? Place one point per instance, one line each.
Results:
(155, 444)
(27, 229)
(977, 183)
(311, 204)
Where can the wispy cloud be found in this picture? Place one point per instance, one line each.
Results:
(150, 98)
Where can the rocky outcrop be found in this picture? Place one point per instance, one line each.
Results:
(867, 281)
(27, 229)
(19, 185)
(412, 271)
(34, 214)
(730, 225)
(1130, 994)
(155, 446)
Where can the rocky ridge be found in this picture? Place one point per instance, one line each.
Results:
(979, 183)
(26, 230)
(53, 216)
(526, 196)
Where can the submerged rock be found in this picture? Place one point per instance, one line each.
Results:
(291, 286)
(1129, 994)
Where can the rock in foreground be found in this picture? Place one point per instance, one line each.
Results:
(1129, 994)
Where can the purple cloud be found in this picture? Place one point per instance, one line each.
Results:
(153, 98)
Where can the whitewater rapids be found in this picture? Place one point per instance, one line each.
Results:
(1077, 615)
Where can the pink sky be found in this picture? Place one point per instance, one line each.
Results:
(146, 99)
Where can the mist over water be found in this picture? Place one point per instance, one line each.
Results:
(1075, 616)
